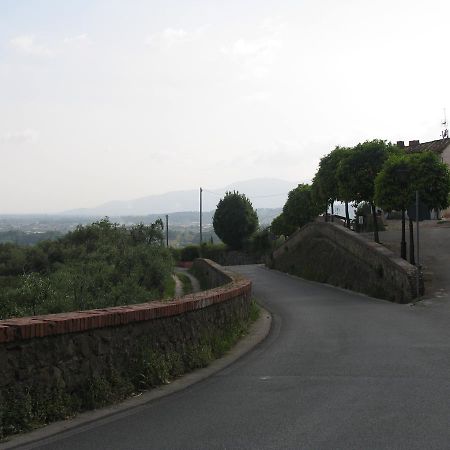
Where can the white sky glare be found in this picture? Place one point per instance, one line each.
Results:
(111, 100)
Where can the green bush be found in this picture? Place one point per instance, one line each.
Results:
(95, 266)
(215, 252)
(189, 253)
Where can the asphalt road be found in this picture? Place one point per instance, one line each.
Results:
(338, 371)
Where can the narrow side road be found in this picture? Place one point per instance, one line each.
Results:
(338, 371)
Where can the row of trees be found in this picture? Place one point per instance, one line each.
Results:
(375, 172)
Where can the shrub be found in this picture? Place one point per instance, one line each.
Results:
(189, 253)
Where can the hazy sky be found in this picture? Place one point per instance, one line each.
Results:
(109, 99)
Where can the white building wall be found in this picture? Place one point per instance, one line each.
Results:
(446, 158)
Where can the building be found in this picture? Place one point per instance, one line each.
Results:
(441, 147)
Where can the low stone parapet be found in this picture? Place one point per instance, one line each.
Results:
(332, 254)
(53, 366)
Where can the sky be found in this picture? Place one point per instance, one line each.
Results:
(118, 99)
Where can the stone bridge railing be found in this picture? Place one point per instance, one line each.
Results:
(332, 254)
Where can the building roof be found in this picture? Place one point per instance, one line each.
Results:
(437, 146)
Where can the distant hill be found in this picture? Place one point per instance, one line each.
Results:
(262, 192)
(189, 218)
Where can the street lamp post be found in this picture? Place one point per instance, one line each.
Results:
(402, 174)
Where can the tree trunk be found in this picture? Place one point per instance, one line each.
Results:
(403, 243)
(332, 211)
(375, 224)
(347, 216)
(412, 259)
(326, 212)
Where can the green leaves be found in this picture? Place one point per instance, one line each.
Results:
(299, 209)
(357, 171)
(235, 220)
(403, 175)
(95, 266)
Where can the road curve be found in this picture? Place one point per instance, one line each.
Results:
(338, 371)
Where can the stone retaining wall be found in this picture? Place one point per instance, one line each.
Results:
(332, 254)
(55, 365)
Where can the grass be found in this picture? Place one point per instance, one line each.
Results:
(24, 408)
(169, 289)
(186, 282)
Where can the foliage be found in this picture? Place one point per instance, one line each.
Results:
(299, 209)
(403, 175)
(235, 220)
(280, 226)
(185, 281)
(261, 242)
(215, 252)
(189, 253)
(393, 187)
(357, 171)
(95, 266)
(325, 183)
(431, 178)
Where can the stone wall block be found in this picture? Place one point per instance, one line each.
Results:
(332, 254)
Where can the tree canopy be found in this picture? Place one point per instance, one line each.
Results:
(235, 220)
(357, 172)
(402, 175)
(299, 209)
(325, 183)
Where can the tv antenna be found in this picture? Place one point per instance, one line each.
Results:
(444, 132)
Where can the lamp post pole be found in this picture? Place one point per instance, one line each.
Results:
(201, 228)
(402, 173)
(418, 246)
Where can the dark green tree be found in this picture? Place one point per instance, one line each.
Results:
(394, 191)
(357, 171)
(279, 226)
(325, 184)
(431, 178)
(401, 176)
(235, 220)
(300, 208)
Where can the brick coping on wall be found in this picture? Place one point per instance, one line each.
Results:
(53, 324)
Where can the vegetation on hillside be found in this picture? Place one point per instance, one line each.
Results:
(94, 266)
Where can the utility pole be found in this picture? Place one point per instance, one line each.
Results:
(167, 230)
(201, 230)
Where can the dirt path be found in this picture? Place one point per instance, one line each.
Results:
(179, 285)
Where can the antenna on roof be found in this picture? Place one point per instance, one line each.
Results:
(444, 132)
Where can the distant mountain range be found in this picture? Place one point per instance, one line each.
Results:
(262, 192)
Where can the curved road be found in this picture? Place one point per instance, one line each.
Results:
(338, 371)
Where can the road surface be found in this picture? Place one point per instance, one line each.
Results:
(338, 370)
